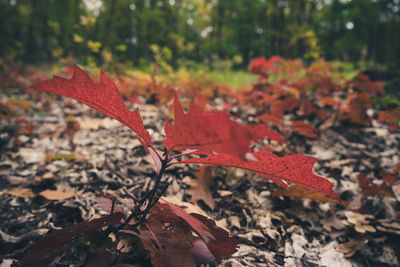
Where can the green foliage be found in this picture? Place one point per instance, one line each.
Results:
(214, 32)
(386, 102)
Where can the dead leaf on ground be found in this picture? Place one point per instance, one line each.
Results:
(359, 221)
(45, 176)
(21, 192)
(369, 188)
(14, 180)
(89, 123)
(339, 163)
(332, 222)
(300, 192)
(57, 194)
(351, 247)
(389, 226)
(200, 187)
(356, 203)
(224, 193)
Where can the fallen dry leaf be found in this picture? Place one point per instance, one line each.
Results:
(369, 188)
(389, 226)
(14, 180)
(332, 222)
(300, 192)
(224, 193)
(21, 192)
(200, 187)
(359, 221)
(57, 194)
(351, 247)
(45, 176)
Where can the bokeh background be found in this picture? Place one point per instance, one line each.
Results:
(213, 33)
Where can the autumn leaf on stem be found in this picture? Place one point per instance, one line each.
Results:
(103, 96)
(296, 169)
(209, 132)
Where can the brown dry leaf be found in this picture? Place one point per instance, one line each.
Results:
(223, 223)
(332, 222)
(89, 123)
(15, 180)
(351, 247)
(339, 163)
(45, 176)
(57, 194)
(356, 203)
(389, 226)
(359, 221)
(396, 191)
(21, 192)
(224, 193)
(200, 187)
(300, 192)
(124, 244)
(369, 188)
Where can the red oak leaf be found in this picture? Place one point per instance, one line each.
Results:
(294, 168)
(217, 239)
(211, 132)
(222, 245)
(260, 131)
(304, 129)
(103, 97)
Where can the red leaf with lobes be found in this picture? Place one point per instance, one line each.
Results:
(103, 97)
(222, 245)
(211, 132)
(294, 168)
(217, 239)
(260, 131)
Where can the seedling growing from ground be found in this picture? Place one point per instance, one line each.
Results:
(172, 236)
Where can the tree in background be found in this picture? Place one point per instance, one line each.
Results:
(101, 31)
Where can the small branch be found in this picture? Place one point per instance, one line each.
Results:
(151, 197)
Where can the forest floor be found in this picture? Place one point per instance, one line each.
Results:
(76, 158)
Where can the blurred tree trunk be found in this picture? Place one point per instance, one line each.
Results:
(219, 26)
(30, 43)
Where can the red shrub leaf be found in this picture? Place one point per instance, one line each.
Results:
(304, 129)
(223, 245)
(103, 97)
(217, 239)
(211, 132)
(294, 168)
(197, 226)
(52, 244)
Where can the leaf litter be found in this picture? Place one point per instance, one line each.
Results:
(286, 235)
